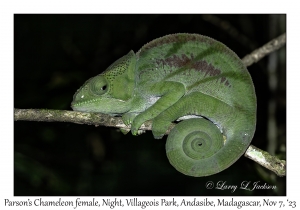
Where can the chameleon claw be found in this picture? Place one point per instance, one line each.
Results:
(137, 132)
(125, 130)
(134, 131)
(141, 132)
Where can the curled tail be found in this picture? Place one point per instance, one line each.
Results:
(196, 147)
(205, 146)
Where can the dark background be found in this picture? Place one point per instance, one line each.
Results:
(55, 54)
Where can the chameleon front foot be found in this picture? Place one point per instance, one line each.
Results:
(159, 127)
(131, 119)
(128, 118)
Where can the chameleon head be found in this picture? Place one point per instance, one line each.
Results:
(110, 92)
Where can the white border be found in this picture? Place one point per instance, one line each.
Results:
(8, 8)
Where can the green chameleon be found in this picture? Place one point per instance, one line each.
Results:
(182, 77)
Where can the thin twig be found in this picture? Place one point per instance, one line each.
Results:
(46, 115)
(228, 28)
(261, 52)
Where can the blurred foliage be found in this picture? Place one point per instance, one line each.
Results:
(55, 54)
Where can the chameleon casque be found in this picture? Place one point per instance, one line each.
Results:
(181, 76)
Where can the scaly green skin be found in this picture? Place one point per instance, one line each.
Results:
(174, 76)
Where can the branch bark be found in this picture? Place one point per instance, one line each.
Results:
(266, 49)
(266, 160)
(46, 115)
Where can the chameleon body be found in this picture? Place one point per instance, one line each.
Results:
(175, 76)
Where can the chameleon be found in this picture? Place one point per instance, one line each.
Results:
(191, 80)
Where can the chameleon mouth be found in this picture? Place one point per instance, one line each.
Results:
(102, 105)
(82, 105)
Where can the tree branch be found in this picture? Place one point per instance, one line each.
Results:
(266, 160)
(261, 52)
(46, 115)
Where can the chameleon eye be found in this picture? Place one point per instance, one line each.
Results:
(98, 85)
